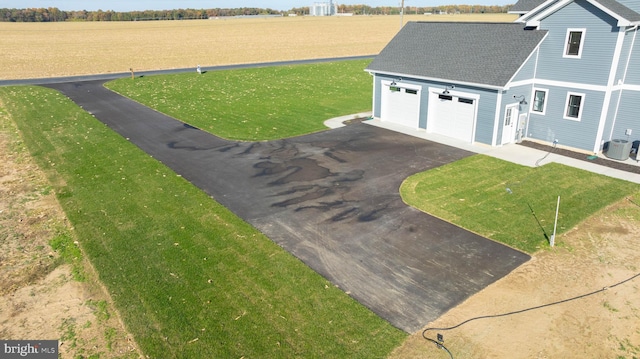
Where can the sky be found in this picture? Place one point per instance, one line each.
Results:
(133, 5)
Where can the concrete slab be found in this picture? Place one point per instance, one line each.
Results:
(331, 199)
(515, 153)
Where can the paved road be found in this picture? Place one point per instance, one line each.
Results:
(332, 200)
(113, 76)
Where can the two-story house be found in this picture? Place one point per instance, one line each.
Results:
(565, 71)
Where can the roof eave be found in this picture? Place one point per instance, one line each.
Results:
(434, 79)
(533, 17)
(535, 11)
(622, 21)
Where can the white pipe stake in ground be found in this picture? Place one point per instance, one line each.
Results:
(552, 241)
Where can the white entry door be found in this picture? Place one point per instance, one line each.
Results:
(510, 123)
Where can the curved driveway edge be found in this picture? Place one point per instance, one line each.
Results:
(331, 199)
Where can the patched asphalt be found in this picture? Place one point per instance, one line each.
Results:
(331, 199)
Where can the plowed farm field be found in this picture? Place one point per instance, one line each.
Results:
(37, 50)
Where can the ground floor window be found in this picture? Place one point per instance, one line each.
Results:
(574, 106)
(539, 101)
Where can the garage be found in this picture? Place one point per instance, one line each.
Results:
(400, 104)
(452, 114)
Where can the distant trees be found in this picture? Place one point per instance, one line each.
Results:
(33, 15)
(447, 9)
(53, 14)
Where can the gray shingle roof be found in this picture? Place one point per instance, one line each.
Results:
(477, 53)
(631, 4)
(620, 9)
(626, 9)
(523, 6)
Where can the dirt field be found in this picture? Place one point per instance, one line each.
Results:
(600, 252)
(35, 50)
(39, 299)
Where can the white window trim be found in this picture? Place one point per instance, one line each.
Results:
(566, 106)
(566, 43)
(544, 105)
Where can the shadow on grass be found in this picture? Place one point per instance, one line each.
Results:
(533, 213)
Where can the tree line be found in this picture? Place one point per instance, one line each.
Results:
(53, 14)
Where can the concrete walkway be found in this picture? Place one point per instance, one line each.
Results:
(522, 155)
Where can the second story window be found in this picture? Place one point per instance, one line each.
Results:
(573, 45)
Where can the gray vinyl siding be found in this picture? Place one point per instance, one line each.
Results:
(528, 69)
(628, 117)
(624, 55)
(633, 72)
(377, 87)
(598, 46)
(607, 134)
(577, 134)
(486, 115)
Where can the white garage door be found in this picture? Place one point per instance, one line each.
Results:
(400, 104)
(452, 115)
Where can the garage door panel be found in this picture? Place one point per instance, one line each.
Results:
(400, 105)
(452, 115)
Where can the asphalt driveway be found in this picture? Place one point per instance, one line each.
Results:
(331, 199)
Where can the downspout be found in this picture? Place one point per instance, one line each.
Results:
(535, 74)
(609, 90)
(624, 78)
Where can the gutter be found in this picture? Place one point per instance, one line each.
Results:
(433, 79)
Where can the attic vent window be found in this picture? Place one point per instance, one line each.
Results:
(574, 42)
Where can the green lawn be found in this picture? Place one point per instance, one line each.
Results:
(472, 193)
(191, 279)
(259, 103)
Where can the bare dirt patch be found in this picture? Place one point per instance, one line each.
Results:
(599, 253)
(39, 298)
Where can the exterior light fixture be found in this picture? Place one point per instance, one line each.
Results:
(521, 98)
(447, 88)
